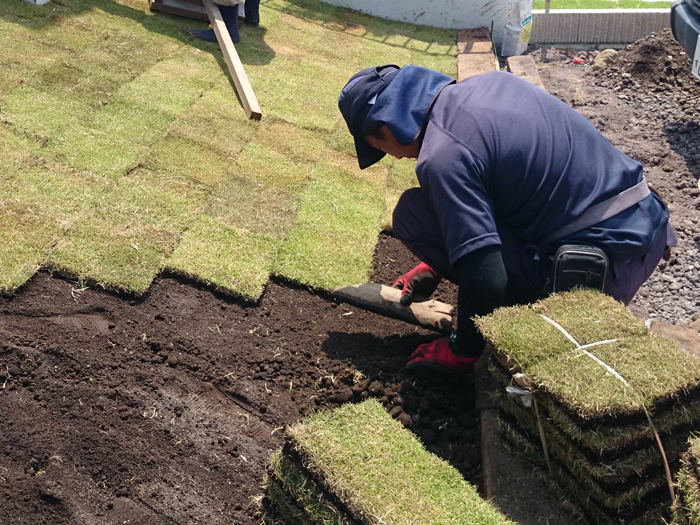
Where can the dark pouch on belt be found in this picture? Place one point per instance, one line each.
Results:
(576, 265)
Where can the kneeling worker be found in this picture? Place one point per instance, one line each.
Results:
(511, 179)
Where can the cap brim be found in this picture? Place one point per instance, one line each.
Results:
(366, 154)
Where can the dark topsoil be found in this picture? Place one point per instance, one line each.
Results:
(165, 409)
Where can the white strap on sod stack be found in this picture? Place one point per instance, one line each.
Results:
(527, 393)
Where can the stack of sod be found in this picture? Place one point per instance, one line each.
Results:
(357, 465)
(593, 401)
(686, 510)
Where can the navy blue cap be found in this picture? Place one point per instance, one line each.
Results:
(355, 103)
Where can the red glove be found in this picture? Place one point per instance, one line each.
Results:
(438, 356)
(422, 280)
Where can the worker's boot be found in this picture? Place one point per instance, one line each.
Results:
(230, 17)
(252, 12)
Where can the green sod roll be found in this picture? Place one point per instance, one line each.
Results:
(570, 489)
(368, 468)
(591, 378)
(308, 496)
(283, 509)
(656, 371)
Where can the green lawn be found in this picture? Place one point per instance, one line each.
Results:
(125, 151)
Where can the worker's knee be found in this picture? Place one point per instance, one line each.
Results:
(626, 277)
(412, 216)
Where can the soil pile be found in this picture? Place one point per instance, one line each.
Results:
(584, 376)
(652, 79)
(656, 63)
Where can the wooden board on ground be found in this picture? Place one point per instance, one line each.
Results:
(475, 53)
(188, 8)
(235, 66)
(524, 67)
(385, 300)
(685, 337)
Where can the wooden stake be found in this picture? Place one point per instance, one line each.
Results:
(240, 79)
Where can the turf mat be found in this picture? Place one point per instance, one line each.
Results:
(595, 386)
(655, 510)
(644, 371)
(151, 164)
(365, 467)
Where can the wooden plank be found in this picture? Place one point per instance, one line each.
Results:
(492, 452)
(186, 8)
(485, 384)
(240, 79)
(384, 300)
(524, 67)
(475, 53)
(685, 337)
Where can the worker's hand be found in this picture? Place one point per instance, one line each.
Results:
(422, 280)
(438, 356)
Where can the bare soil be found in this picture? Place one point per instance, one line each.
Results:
(165, 409)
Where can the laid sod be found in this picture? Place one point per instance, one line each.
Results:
(592, 377)
(358, 465)
(125, 150)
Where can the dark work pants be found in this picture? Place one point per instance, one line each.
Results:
(416, 226)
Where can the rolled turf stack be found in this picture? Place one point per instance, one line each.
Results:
(686, 510)
(357, 465)
(593, 401)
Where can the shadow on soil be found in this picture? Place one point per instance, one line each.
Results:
(683, 138)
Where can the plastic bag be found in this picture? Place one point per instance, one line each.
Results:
(518, 28)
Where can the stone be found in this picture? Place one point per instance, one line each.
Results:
(603, 59)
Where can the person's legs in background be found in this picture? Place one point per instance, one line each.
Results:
(252, 12)
(230, 17)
